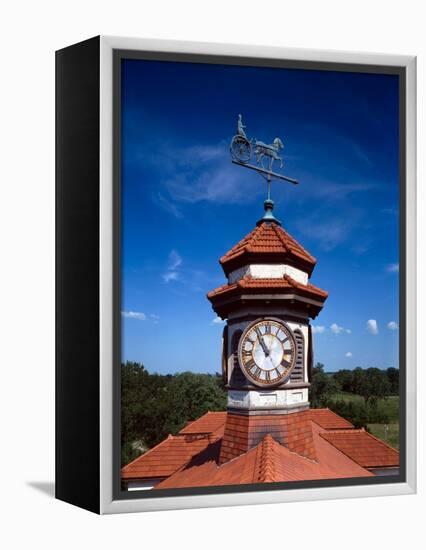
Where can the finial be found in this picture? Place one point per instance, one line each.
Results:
(268, 215)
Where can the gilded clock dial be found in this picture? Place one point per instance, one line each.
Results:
(267, 352)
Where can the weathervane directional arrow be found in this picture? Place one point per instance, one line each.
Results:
(266, 172)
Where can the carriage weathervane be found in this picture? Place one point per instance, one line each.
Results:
(242, 150)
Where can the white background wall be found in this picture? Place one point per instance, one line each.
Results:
(30, 32)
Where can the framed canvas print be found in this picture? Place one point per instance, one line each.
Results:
(235, 275)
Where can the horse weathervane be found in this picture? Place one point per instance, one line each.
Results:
(242, 149)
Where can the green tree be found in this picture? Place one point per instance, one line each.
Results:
(355, 412)
(344, 378)
(374, 385)
(323, 386)
(358, 380)
(154, 406)
(393, 377)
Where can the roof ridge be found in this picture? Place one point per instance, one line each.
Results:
(283, 233)
(341, 430)
(252, 237)
(278, 232)
(292, 281)
(267, 462)
(242, 243)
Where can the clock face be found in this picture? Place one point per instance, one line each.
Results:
(267, 352)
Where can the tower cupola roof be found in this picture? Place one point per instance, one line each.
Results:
(268, 243)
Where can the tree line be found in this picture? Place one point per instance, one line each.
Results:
(371, 383)
(155, 405)
(374, 385)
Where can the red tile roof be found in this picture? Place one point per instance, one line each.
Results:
(362, 447)
(223, 449)
(270, 242)
(325, 418)
(268, 462)
(209, 423)
(167, 457)
(282, 285)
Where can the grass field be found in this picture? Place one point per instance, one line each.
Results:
(390, 406)
(391, 436)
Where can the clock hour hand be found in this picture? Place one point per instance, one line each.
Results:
(262, 342)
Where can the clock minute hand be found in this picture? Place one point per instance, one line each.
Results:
(262, 342)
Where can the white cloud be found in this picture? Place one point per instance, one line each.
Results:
(348, 354)
(134, 315)
(175, 261)
(154, 318)
(220, 184)
(199, 173)
(217, 321)
(372, 326)
(170, 276)
(167, 205)
(392, 325)
(335, 329)
(392, 268)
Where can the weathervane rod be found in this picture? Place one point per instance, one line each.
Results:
(266, 172)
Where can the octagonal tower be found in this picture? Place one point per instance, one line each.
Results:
(267, 303)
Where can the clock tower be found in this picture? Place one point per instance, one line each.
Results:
(267, 303)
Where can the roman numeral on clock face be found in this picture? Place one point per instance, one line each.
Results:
(250, 365)
(285, 364)
(257, 372)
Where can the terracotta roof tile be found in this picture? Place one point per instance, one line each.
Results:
(277, 285)
(210, 422)
(268, 462)
(267, 240)
(363, 448)
(225, 449)
(175, 451)
(328, 419)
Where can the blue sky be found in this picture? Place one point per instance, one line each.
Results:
(184, 204)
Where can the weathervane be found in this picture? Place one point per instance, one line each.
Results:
(242, 150)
